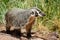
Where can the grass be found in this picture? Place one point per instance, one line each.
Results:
(50, 7)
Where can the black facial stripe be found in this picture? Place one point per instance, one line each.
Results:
(36, 14)
(39, 10)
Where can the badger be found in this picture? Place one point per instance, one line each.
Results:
(18, 18)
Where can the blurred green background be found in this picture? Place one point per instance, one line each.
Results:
(50, 7)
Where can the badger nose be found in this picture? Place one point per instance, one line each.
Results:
(44, 15)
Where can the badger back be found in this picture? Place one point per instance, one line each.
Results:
(17, 17)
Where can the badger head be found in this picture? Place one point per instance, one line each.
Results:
(37, 12)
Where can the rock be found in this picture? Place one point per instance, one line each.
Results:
(4, 36)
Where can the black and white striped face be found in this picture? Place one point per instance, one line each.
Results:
(37, 12)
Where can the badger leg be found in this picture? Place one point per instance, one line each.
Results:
(17, 32)
(29, 25)
(28, 29)
(8, 29)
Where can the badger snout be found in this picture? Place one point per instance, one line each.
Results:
(41, 14)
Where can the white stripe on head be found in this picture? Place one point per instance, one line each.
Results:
(39, 13)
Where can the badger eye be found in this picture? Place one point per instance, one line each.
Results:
(40, 12)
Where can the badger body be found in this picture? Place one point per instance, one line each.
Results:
(18, 18)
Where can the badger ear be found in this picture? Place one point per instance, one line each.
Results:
(32, 13)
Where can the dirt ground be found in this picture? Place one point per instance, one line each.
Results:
(36, 35)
